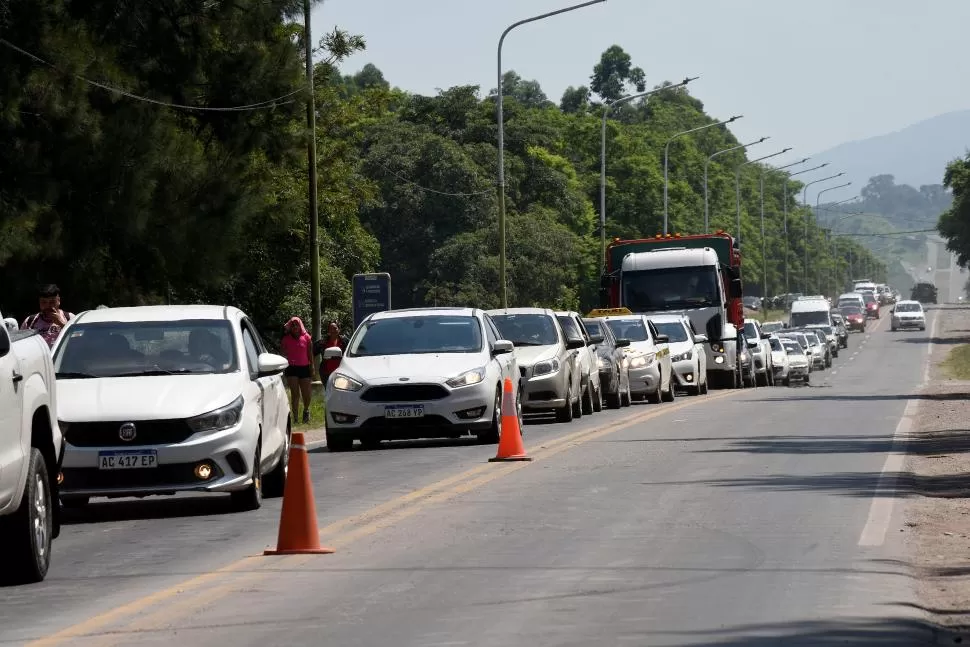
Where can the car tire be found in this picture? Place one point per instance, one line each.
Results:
(587, 399)
(626, 398)
(657, 396)
(491, 436)
(274, 483)
(578, 407)
(615, 400)
(27, 533)
(566, 413)
(669, 395)
(598, 399)
(339, 442)
(705, 386)
(251, 498)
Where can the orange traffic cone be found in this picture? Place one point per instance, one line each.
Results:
(299, 534)
(510, 446)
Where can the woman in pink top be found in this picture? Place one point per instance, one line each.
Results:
(298, 350)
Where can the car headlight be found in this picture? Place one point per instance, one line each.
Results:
(646, 359)
(683, 356)
(343, 383)
(717, 348)
(467, 378)
(547, 367)
(223, 418)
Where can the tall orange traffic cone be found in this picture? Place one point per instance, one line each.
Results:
(299, 534)
(510, 446)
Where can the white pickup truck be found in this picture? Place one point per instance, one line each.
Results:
(31, 449)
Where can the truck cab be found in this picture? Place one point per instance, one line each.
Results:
(31, 449)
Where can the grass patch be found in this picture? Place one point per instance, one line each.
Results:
(957, 363)
(773, 315)
(317, 411)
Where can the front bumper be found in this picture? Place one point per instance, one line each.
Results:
(797, 372)
(348, 414)
(229, 453)
(645, 379)
(685, 373)
(545, 392)
(909, 323)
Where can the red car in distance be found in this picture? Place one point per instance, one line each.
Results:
(872, 305)
(855, 318)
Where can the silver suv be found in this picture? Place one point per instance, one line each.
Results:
(551, 376)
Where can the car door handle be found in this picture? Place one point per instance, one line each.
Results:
(17, 377)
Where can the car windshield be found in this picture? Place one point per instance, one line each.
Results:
(415, 335)
(671, 288)
(673, 329)
(129, 349)
(527, 329)
(793, 348)
(908, 307)
(828, 330)
(775, 343)
(773, 326)
(868, 297)
(632, 329)
(801, 319)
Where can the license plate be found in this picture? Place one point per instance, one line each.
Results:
(127, 460)
(404, 411)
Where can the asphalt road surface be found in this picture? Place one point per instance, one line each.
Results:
(760, 517)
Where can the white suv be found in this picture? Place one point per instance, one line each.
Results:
(907, 314)
(419, 373)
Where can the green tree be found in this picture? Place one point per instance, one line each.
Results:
(954, 224)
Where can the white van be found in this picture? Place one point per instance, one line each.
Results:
(864, 286)
(852, 299)
(806, 312)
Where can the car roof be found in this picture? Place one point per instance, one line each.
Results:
(521, 311)
(909, 302)
(136, 314)
(430, 311)
(667, 318)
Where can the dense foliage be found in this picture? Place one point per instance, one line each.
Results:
(122, 201)
(955, 223)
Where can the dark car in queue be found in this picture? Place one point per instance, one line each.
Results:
(855, 318)
(612, 363)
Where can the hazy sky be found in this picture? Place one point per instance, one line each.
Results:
(811, 74)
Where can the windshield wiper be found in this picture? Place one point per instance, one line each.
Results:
(75, 375)
(529, 343)
(155, 371)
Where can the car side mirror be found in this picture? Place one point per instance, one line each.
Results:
(269, 364)
(575, 342)
(700, 339)
(622, 343)
(662, 339)
(4, 342)
(735, 287)
(502, 347)
(753, 343)
(333, 353)
(596, 339)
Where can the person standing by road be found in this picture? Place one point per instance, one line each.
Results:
(332, 340)
(50, 320)
(297, 347)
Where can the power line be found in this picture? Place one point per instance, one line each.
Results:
(435, 191)
(894, 233)
(269, 103)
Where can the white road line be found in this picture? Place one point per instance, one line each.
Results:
(881, 509)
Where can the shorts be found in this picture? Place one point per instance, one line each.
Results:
(301, 372)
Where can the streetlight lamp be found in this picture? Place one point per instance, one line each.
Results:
(501, 140)
(805, 202)
(606, 111)
(707, 163)
(777, 168)
(667, 154)
(789, 176)
(737, 182)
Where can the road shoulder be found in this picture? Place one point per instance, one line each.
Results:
(936, 481)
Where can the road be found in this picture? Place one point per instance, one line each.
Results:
(740, 518)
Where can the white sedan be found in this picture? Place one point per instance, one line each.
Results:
(687, 354)
(420, 373)
(907, 314)
(164, 399)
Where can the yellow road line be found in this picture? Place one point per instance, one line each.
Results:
(374, 520)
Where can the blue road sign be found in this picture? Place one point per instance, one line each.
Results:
(372, 293)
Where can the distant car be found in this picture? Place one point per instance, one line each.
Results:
(907, 314)
(687, 354)
(831, 337)
(799, 366)
(924, 293)
(779, 361)
(163, 399)
(752, 303)
(419, 373)
(761, 354)
(612, 363)
(855, 318)
(872, 305)
(770, 327)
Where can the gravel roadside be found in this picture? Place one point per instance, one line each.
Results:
(936, 482)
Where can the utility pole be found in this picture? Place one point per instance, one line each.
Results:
(311, 154)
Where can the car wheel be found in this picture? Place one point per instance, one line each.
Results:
(614, 400)
(578, 407)
(27, 532)
(251, 498)
(587, 400)
(491, 436)
(627, 397)
(566, 413)
(275, 482)
(657, 396)
(339, 442)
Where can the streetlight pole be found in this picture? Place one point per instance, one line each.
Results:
(667, 155)
(606, 112)
(785, 226)
(789, 176)
(501, 140)
(807, 217)
(707, 163)
(737, 182)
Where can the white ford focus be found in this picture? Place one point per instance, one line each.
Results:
(419, 373)
(163, 399)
